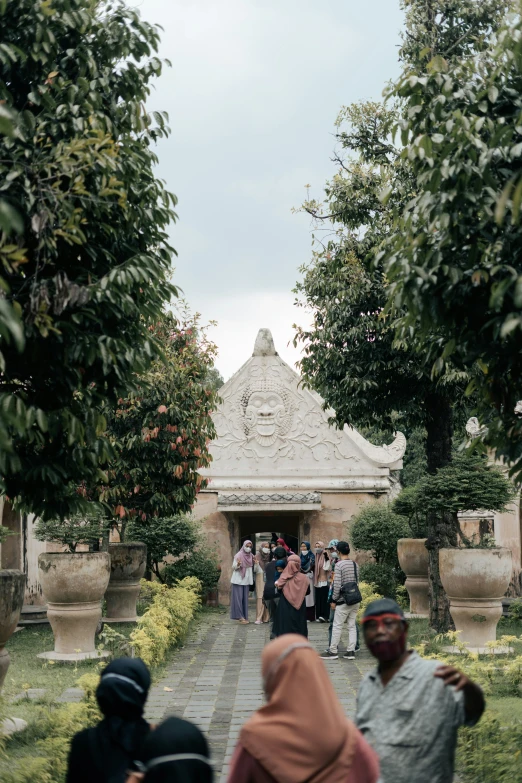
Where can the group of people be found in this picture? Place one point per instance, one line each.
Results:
(408, 712)
(293, 590)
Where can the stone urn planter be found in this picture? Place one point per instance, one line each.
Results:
(73, 585)
(12, 589)
(475, 581)
(413, 559)
(128, 563)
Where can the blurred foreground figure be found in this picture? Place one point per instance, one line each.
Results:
(104, 752)
(409, 708)
(302, 733)
(175, 752)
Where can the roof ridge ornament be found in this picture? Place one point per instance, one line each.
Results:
(264, 345)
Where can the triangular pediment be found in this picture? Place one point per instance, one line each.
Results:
(272, 432)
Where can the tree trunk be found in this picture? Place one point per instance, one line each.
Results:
(442, 531)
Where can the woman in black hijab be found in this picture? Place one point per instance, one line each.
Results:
(175, 752)
(105, 752)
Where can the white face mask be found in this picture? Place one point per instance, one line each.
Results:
(334, 555)
(265, 550)
(247, 548)
(304, 551)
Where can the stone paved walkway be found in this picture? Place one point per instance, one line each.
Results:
(215, 680)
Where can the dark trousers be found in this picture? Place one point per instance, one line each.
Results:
(271, 605)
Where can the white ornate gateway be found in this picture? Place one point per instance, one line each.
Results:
(273, 436)
(276, 454)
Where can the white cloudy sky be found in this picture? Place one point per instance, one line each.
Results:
(252, 95)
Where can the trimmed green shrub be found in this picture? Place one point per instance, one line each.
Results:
(382, 576)
(376, 528)
(166, 620)
(202, 564)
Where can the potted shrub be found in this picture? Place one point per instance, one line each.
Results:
(128, 563)
(474, 576)
(412, 552)
(73, 583)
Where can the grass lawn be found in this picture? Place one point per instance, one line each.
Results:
(27, 671)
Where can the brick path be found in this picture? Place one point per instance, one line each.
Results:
(202, 680)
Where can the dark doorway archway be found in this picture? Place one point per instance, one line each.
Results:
(273, 524)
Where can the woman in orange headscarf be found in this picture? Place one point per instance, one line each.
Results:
(286, 742)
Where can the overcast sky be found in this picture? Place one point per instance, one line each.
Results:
(252, 95)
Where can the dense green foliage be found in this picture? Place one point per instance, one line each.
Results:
(376, 529)
(201, 563)
(367, 371)
(166, 536)
(453, 259)
(383, 576)
(84, 249)
(469, 483)
(161, 432)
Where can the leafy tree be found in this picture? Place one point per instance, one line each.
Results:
(352, 355)
(454, 259)
(171, 536)
(161, 432)
(87, 263)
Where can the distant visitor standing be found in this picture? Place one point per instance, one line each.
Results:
(242, 577)
(346, 578)
(263, 559)
(321, 572)
(307, 568)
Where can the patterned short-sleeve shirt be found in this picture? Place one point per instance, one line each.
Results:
(412, 722)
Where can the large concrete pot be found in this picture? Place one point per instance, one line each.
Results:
(475, 581)
(73, 585)
(128, 563)
(12, 589)
(413, 559)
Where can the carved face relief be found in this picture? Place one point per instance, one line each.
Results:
(267, 412)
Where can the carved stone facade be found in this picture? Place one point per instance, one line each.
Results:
(276, 454)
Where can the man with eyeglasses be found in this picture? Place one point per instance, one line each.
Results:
(409, 709)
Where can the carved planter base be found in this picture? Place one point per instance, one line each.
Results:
(73, 585)
(12, 586)
(128, 563)
(413, 559)
(475, 581)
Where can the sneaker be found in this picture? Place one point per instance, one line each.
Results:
(329, 656)
(321, 620)
(258, 622)
(350, 655)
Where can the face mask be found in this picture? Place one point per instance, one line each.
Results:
(318, 550)
(265, 551)
(334, 555)
(388, 651)
(304, 551)
(247, 548)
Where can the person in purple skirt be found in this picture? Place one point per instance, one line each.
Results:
(242, 577)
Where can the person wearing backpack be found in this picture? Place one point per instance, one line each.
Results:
(346, 599)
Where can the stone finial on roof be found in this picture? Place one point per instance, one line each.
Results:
(264, 345)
